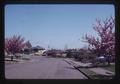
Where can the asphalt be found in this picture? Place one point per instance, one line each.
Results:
(40, 67)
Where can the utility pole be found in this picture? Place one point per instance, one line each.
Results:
(48, 47)
(66, 47)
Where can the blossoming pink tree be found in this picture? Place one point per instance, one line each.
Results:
(14, 45)
(104, 44)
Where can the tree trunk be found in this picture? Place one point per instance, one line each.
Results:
(108, 60)
(12, 58)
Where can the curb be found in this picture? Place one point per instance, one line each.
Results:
(77, 69)
(82, 72)
(72, 63)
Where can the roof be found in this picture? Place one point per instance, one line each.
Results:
(38, 47)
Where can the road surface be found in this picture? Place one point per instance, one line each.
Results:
(42, 68)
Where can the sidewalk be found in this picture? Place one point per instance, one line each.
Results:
(97, 70)
(77, 64)
(16, 61)
(102, 71)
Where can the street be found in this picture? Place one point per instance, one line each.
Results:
(41, 67)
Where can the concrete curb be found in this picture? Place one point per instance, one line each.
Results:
(82, 72)
(77, 68)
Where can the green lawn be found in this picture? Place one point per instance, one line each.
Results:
(110, 68)
(93, 75)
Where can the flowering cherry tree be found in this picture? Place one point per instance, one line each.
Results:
(104, 44)
(14, 45)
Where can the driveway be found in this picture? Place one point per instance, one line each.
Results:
(41, 67)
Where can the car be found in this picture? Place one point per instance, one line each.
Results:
(26, 57)
(44, 54)
(101, 59)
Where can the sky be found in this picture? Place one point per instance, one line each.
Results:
(54, 25)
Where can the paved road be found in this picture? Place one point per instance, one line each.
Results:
(42, 68)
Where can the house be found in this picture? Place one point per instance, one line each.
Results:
(38, 50)
(56, 53)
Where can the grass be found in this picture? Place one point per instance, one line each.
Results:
(110, 68)
(87, 72)
(93, 75)
(101, 77)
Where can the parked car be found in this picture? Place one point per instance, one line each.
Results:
(44, 54)
(26, 57)
(101, 59)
